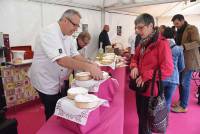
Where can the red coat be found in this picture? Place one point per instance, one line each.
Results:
(156, 55)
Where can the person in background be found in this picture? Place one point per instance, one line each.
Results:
(83, 40)
(186, 35)
(171, 83)
(137, 40)
(104, 38)
(131, 43)
(55, 53)
(153, 52)
(162, 28)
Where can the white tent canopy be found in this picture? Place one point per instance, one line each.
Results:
(155, 7)
(23, 19)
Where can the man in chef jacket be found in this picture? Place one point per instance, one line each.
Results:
(55, 52)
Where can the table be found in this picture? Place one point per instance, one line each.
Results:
(101, 121)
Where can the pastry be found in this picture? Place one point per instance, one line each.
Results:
(108, 58)
(109, 54)
(72, 92)
(83, 76)
(86, 101)
(106, 61)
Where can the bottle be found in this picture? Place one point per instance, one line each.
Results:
(100, 52)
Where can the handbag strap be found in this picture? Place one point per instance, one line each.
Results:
(160, 85)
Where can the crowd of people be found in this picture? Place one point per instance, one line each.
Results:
(169, 49)
(165, 48)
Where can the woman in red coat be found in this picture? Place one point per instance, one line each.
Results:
(152, 53)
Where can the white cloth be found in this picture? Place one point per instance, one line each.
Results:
(66, 109)
(45, 74)
(131, 43)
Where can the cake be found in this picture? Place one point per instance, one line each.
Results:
(17, 61)
(72, 92)
(83, 76)
(86, 101)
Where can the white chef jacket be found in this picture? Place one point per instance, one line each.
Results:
(82, 51)
(45, 74)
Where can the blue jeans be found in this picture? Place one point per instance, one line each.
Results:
(169, 89)
(185, 88)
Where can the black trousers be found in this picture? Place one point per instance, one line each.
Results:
(142, 108)
(49, 102)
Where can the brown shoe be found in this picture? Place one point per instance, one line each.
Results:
(176, 104)
(179, 109)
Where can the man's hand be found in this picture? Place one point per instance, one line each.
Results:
(97, 65)
(96, 72)
(134, 73)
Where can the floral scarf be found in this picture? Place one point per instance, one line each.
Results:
(148, 40)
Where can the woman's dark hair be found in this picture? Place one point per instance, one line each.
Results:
(145, 18)
(168, 33)
(163, 26)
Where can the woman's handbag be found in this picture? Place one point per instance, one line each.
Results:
(133, 86)
(157, 109)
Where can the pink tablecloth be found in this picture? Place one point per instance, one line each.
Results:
(101, 121)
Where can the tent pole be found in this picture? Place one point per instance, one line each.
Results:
(103, 15)
(156, 21)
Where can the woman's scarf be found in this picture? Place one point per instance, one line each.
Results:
(148, 40)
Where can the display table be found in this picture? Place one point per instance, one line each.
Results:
(103, 120)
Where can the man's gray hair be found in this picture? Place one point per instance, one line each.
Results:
(145, 18)
(69, 13)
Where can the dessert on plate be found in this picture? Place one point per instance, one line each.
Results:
(83, 76)
(86, 101)
(72, 92)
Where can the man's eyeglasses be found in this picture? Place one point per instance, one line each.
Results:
(75, 25)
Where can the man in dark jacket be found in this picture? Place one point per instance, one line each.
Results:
(104, 38)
